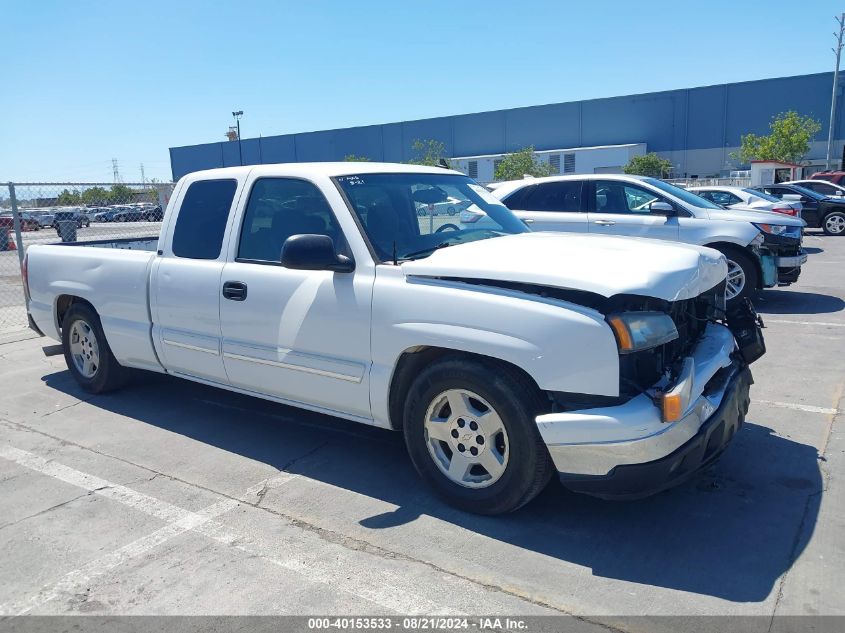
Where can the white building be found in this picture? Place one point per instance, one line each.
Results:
(603, 159)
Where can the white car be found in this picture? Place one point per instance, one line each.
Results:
(450, 206)
(503, 355)
(819, 186)
(748, 199)
(763, 249)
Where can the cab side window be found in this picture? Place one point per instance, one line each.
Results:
(202, 219)
(622, 197)
(279, 208)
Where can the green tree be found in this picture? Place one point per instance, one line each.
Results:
(522, 163)
(648, 165)
(67, 198)
(354, 158)
(119, 194)
(95, 195)
(428, 152)
(788, 142)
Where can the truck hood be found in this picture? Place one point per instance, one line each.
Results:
(759, 216)
(601, 264)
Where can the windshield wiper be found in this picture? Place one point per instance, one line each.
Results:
(427, 251)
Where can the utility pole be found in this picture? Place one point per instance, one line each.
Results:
(143, 180)
(836, 51)
(115, 170)
(238, 116)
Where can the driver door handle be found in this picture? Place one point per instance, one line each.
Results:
(528, 221)
(604, 222)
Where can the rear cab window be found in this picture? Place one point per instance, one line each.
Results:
(201, 222)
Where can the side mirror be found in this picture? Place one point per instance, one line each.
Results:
(314, 252)
(662, 208)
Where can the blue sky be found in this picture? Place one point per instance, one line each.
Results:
(85, 82)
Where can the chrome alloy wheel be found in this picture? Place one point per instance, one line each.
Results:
(735, 281)
(83, 349)
(466, 438)
(835, 224)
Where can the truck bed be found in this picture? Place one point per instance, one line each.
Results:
(111, 275)
(127, 243)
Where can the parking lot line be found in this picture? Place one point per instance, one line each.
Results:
(373, 585)
(798, 407)
(822, 323)
(79, 577)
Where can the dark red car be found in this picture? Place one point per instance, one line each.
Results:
(836, 177)
(27, 223)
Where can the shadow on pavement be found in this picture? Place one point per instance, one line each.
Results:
(796, 302)
(730, 532)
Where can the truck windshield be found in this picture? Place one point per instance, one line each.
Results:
(409, 216)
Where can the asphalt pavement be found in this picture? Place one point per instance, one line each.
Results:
(170, 497)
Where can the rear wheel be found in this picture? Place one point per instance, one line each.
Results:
(834, 223)
(87, 353)
(471, 434)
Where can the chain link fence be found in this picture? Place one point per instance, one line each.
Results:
(50, 213)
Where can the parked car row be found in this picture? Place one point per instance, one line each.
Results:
(129, 213)
(762, 248)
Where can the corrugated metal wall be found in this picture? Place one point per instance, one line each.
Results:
(712, 117)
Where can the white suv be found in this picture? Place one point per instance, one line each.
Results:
(763, 249)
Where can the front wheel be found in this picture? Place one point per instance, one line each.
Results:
(834, 223)
(743, 278)
(471, 434)
(87, 353)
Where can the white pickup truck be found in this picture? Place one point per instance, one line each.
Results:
(504, 358)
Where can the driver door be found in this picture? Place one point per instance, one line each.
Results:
(620, 207)
(298, 335)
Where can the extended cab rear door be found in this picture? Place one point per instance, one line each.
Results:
(185, 280)
(298, 335)
(555, 205)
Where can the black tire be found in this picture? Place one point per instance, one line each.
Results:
(451, 211)
(515, 399)
(834, 223)
(109, 374)
(749, 269)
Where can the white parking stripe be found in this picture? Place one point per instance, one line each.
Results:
(822, 323)
(145, 503)
(398, 594)
(100, 566)
(798, 407)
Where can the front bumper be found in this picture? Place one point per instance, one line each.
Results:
(628, 451)
(789, 268)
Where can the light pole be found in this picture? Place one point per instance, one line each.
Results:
(238, 116)
(837, 51)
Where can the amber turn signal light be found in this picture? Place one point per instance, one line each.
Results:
(672, 407)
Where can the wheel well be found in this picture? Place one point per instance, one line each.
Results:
(415, 359)
(728, 246)
(63, 304)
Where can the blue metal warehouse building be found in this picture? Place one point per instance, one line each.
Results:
(695, 128)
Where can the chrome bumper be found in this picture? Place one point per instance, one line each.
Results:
(592, 442)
